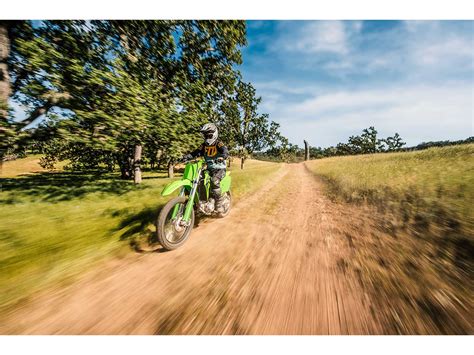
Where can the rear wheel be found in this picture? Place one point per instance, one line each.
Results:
(172, 232)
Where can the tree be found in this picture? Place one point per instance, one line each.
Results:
(4, 75)
(5, 129)
(9, 129)
(125, 87)
(316, 152)
(369, 142)
(247, 130)
(394, 143)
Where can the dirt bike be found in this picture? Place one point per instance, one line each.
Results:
(176, 220)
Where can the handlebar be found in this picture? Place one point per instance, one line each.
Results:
(185, 161)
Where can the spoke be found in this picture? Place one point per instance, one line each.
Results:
(172, 232)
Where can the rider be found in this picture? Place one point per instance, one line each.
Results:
(215, 153)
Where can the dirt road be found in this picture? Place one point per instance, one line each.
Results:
(275, 265)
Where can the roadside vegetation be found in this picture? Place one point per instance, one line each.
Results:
(54, 226)
(423, 201)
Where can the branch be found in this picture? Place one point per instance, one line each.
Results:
(37, 112)
(52, 99)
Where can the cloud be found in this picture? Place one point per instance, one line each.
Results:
(326, 80)
(444, 52)
(418, 113)
(316, 37)
(339, 49)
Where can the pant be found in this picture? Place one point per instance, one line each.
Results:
(216, 177)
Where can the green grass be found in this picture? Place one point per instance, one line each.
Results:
(420, 253)
(425, 182)
(53, 226)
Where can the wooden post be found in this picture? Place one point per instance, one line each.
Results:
(306, 150)
(137, 159)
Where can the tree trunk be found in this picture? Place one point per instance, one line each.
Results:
(306, 151)
(124, 171)
(137, 159)
(170, 169)
(242, 159)
(229, 161)
(124, 163)
(4, 77)
(157, 160)
(4, 86)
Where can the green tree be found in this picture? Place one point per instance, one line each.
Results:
(394, 143)
(6, 131)
(127, 87)
(9, 129)
(369, 142)
(247, 130)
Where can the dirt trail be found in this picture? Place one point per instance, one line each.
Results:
(273, 266)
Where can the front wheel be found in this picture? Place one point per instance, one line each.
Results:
(171, 230)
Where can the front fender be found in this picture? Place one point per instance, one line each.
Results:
(172, 186)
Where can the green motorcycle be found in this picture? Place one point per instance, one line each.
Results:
(176, 220)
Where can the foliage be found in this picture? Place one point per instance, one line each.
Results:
(106, 87)
(366, 143)
(246, 130)
(426, 145)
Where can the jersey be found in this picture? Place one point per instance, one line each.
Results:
(211, 153)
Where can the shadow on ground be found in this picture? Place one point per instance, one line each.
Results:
(64, 186)
(140, 229)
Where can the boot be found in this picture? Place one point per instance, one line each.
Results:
(219, 204)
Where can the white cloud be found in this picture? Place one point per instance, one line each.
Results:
(316, 37)
(444, 52)
(418, 48)
(414, 79)
(418, 113)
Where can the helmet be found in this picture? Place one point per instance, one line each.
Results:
(209, 131)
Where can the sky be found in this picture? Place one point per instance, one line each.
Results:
(324, 81)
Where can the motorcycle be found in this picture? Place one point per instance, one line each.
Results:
(176, 219)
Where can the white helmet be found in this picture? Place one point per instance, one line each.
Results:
(209, 131)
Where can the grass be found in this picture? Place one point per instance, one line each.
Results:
(53, 226)
(28, 165)
(422, 256)
(437, 178)
(427, 189)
